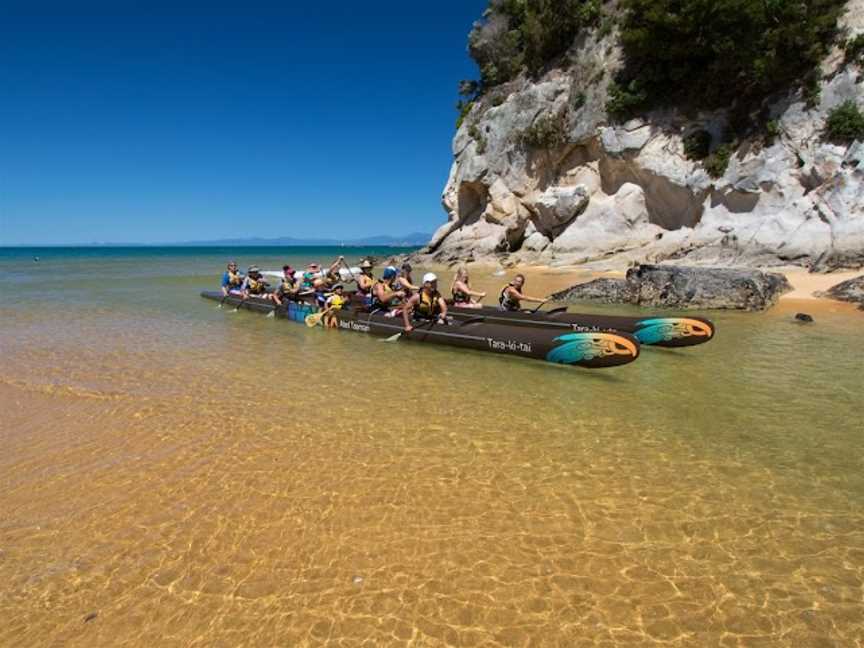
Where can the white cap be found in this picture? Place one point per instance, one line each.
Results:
(430, 277)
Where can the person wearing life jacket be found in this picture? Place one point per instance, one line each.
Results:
(460, 289)
(511, 297)
(427, 305)
(404, 281)
(365, 282)
(335, 302)
(337, 299)
(232, 280)
(331, 276)
(311, 277)
(288, 287)
(385, 296)
(255, 286)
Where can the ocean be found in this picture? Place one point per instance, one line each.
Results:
(172, 473)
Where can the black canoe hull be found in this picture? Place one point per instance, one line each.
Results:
(654, 330)
(590, 349)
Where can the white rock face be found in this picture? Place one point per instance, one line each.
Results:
(623, 193)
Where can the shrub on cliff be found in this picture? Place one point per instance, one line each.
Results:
(717, 163)
(518, 35)
(716, 53)
(845, 123)
(548, 131)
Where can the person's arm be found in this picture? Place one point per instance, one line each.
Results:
(410, 286)
(522, 297)
(385, 294)
(442, 304)
(461, 286)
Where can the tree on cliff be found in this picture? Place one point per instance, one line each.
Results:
(700, 53)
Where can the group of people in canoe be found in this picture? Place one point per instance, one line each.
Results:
(394, 294)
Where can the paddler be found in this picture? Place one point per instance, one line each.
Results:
(310, 277)
(427, 305)
(404, 281)
(288, 287)
(365, 282)
(385, 296)
(255, 286)
(511, 297)
(460, 289)
(331, 277)
(232, 280)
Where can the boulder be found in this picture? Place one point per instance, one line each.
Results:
(558, 206)
(848, 291)
(684, 288)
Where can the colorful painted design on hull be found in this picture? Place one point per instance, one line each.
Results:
(666, 329)
(579, 347)
(672, 332)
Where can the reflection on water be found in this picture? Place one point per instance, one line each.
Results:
(199, 478)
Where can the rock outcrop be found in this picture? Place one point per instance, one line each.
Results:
(684, 288)
(848, 291)
(617, 194)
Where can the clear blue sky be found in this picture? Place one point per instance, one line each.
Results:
(156, 122)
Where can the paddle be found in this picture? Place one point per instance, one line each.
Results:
(350, 271)
(314, 319)
(540, 305)
(395, 338)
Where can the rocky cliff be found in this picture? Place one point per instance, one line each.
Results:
(543, 175)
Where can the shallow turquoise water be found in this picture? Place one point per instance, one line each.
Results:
(703, 496)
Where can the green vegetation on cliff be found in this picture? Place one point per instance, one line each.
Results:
(719, 53)
(695, 53)
(526, 35)
(845, 123)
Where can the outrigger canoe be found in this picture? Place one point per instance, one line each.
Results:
(654, 330)
(590, 349)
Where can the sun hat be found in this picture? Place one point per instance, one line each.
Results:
(253, 269)
(366, 264)
(430, 277)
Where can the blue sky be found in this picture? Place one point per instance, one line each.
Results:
(156, 122)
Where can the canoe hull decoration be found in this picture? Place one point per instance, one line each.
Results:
(656, 331)
(674, 331)
(591, 349)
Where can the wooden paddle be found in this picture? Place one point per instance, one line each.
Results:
(314, 319)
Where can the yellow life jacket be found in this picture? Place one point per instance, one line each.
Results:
(337, 302)
(256, 286)
(428, 306)
(234, 279)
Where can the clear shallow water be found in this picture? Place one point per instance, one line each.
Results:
(201, 478)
